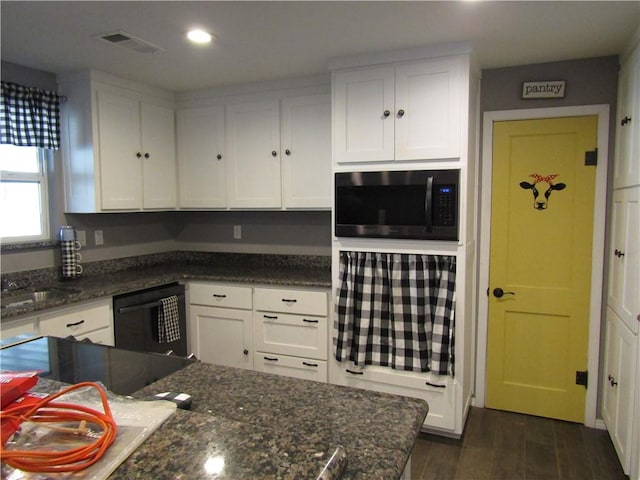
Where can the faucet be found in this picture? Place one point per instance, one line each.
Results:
(11, 285)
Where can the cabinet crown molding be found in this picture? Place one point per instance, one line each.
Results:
(409, 54)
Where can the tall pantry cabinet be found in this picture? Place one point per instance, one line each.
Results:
(413, 110)
(621, 395)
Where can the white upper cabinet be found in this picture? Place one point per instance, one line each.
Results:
(627, 163)
(306, 151)
(397, 112)
(363, 115)
(159, 185)
(253, 155)
(268, 152)
(119, 151)
(201, 158)
(118, 145)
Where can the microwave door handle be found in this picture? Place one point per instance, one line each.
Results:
(428, 201)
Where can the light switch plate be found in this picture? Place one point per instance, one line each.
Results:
(237, 232)
(82, 237)
(98, 237)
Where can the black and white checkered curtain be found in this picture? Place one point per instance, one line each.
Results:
(29, 117)
(396, 310)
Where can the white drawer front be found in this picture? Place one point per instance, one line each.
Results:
(214, 295)
(104, 336)
(77, 321)
(17, 327)
(296, 335)
(303, 368)
(291, 301)
(440, 394)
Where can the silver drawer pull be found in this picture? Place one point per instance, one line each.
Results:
(307, 364)
(270, 317)
(217, 295)
(271, 359)
(309, 321)
(69, 325)
(289, 300)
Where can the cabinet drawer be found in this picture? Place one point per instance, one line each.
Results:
(10, 329)
(303, 368)
(215, 295)
(439, 393)
(291, 301)
(103, 336)
(296, 335)
(77, 321)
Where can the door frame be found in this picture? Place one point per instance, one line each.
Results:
(597, 257)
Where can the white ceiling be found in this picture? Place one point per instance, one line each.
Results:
(268, 40)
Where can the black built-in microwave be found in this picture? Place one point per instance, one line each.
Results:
(408, 204)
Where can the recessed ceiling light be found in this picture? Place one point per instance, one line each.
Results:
(199, 36)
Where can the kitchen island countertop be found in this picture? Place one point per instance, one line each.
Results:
(263, 426)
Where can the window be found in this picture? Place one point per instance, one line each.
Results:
(23, 194)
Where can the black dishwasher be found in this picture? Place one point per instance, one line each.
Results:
(136, 320)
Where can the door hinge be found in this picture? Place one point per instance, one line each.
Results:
(591, 157)
(581, 378)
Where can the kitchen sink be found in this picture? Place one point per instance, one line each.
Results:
(13, 299)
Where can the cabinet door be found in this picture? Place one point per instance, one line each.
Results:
(306, 152)
(427, 109)
(201, 160)
(363, 115)
(158, 156)
(120, 152)
(627, 165)
(253, 159)
(619, 387)
(624, 281)
(23, 327)
(223, 336)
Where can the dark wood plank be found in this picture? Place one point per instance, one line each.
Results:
(504, 445)
(573, 462)
(441, 458)
(509, 459)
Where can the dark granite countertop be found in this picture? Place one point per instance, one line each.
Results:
(271, 427)
(106, 284)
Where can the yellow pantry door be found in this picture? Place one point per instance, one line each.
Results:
(540, 267)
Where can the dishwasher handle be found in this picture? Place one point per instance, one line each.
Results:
(144, 306)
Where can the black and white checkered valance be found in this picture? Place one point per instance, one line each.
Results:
(29, 117)
(396, 310)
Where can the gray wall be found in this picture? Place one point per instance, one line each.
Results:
(589, 82)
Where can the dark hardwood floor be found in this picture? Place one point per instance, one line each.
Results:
(504, 445)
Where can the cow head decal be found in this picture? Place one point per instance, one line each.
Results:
(544, 185)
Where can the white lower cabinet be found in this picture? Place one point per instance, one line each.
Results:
(272, 330)
(439, 392)
(220, 322)
(621, 377)
(91, 320)
(14, 328)
(290, 331)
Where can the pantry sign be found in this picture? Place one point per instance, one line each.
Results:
(552, 89)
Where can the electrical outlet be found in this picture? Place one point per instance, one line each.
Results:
(82, 237)
(98, 237)
(237, 232)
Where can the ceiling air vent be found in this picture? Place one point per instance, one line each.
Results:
(126, 40)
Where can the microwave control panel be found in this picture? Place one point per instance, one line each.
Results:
(445, 203)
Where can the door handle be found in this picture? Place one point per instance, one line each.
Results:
(499, 293)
